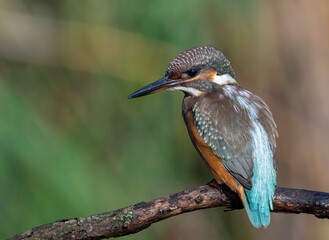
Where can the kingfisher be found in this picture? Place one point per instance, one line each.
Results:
(231, 128)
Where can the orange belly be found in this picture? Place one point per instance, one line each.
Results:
(214, 163)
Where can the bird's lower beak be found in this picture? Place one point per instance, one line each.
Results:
(156, 86)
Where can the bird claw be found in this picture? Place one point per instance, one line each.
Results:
(213, 183)
(227, 209)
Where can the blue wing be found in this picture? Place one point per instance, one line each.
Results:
(226, 120)
(239, 128)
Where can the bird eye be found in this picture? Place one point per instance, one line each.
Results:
(192, 72)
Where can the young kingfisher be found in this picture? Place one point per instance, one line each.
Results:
(231, 128)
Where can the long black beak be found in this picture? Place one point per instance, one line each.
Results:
(156, 86)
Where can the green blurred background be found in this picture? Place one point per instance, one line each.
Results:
(72, 145)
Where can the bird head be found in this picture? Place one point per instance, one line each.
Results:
(195, 71)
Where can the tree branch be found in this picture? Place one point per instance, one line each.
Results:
(137, 217)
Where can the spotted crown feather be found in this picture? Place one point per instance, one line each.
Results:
(203, 57)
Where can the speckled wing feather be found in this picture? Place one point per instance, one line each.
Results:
(225, 119)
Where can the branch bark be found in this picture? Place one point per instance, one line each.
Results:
(137, 217)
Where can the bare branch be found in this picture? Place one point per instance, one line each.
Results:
(137, 217)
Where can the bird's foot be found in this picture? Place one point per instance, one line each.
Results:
(224, 188)
(215, 184)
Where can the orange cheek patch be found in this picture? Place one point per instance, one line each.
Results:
(208, 75)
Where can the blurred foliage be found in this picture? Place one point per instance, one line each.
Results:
(72, 145)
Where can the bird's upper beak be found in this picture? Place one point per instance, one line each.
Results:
(161, 84)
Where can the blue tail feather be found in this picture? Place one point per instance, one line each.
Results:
(258, 210)
(259, 198)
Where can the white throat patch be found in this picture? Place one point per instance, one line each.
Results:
(192, 91)
(224, 79)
